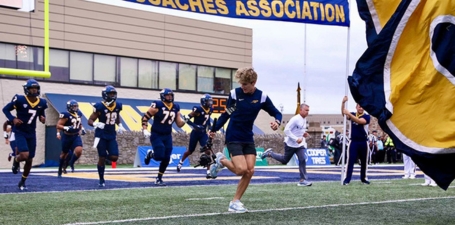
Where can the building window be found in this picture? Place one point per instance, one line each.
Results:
(81, 67)
(104, 69)
(222, 83)
(58, 64)
(205, 79)
(168, 75)
(187, 77)
(235, 83)
(148, 74)
(7, 56)
(25, 56)
(128, 72)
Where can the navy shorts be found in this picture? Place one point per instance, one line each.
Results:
(195, 137)
(107, 146)
(26, 144)
(162, 146)
(241, 148)
(70, 142)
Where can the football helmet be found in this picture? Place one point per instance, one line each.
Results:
(164, 92)
(72, 106)
(31, 83)
(106, 94)
(206, 101)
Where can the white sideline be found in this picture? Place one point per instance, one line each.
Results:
(260, 210)
(52, 169)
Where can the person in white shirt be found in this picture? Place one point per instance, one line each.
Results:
(294, 143)
(409, 167)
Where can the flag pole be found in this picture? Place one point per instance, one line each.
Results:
(304, 67)
(346, 87)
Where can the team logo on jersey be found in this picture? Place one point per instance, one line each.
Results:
(105, 111)
(255, 101)
(25, 105)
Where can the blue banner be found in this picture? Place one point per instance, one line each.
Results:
(323, 12)
(177, 153)
(314, 156)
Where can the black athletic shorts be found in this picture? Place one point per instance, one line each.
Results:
(241, 148)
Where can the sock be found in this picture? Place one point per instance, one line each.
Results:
(181, 162)
(208, 171)
(160, 175)
(23, 179)
(73, 159)
(60, 166)
(101, 171)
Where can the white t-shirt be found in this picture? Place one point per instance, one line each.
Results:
(294, 130)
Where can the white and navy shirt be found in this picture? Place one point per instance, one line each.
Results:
(294, 130)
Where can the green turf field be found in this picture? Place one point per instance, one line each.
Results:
(382, 202)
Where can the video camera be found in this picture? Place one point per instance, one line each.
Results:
(205, 159)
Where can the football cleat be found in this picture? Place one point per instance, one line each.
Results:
(148, 156)
(22, 186)
(72, 168)
(15, 167)
(179, 167)
(102, 183)
(159, 182)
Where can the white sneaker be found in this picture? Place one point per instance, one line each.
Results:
(433, 184)
(405, 177)
(426, 183)
(412, 177)
(237, 207)
(217, 167)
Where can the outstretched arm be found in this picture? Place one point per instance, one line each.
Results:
(179, 121)
(149, 114)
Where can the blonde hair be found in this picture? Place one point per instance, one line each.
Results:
(246, 75)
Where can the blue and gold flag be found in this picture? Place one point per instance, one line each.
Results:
(406, 78)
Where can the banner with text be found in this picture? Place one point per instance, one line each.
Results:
(177, 153)
(323, 12)
(313, 156)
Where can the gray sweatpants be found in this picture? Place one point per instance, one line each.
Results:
(288, 153)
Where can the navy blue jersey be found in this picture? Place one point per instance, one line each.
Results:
(107, 115)
(359, 132)
(73, 120)
(163, 119)
(240, 128)
(202, 116)
(25, 111)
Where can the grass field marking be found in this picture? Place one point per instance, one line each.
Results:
(262, 210)
(202, 199)
(152, 186)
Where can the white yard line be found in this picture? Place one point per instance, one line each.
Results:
(261, 210)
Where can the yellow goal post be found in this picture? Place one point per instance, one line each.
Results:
(34, 73)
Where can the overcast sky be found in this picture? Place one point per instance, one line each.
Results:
(278, 52)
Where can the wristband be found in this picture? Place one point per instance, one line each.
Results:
(278, 122)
